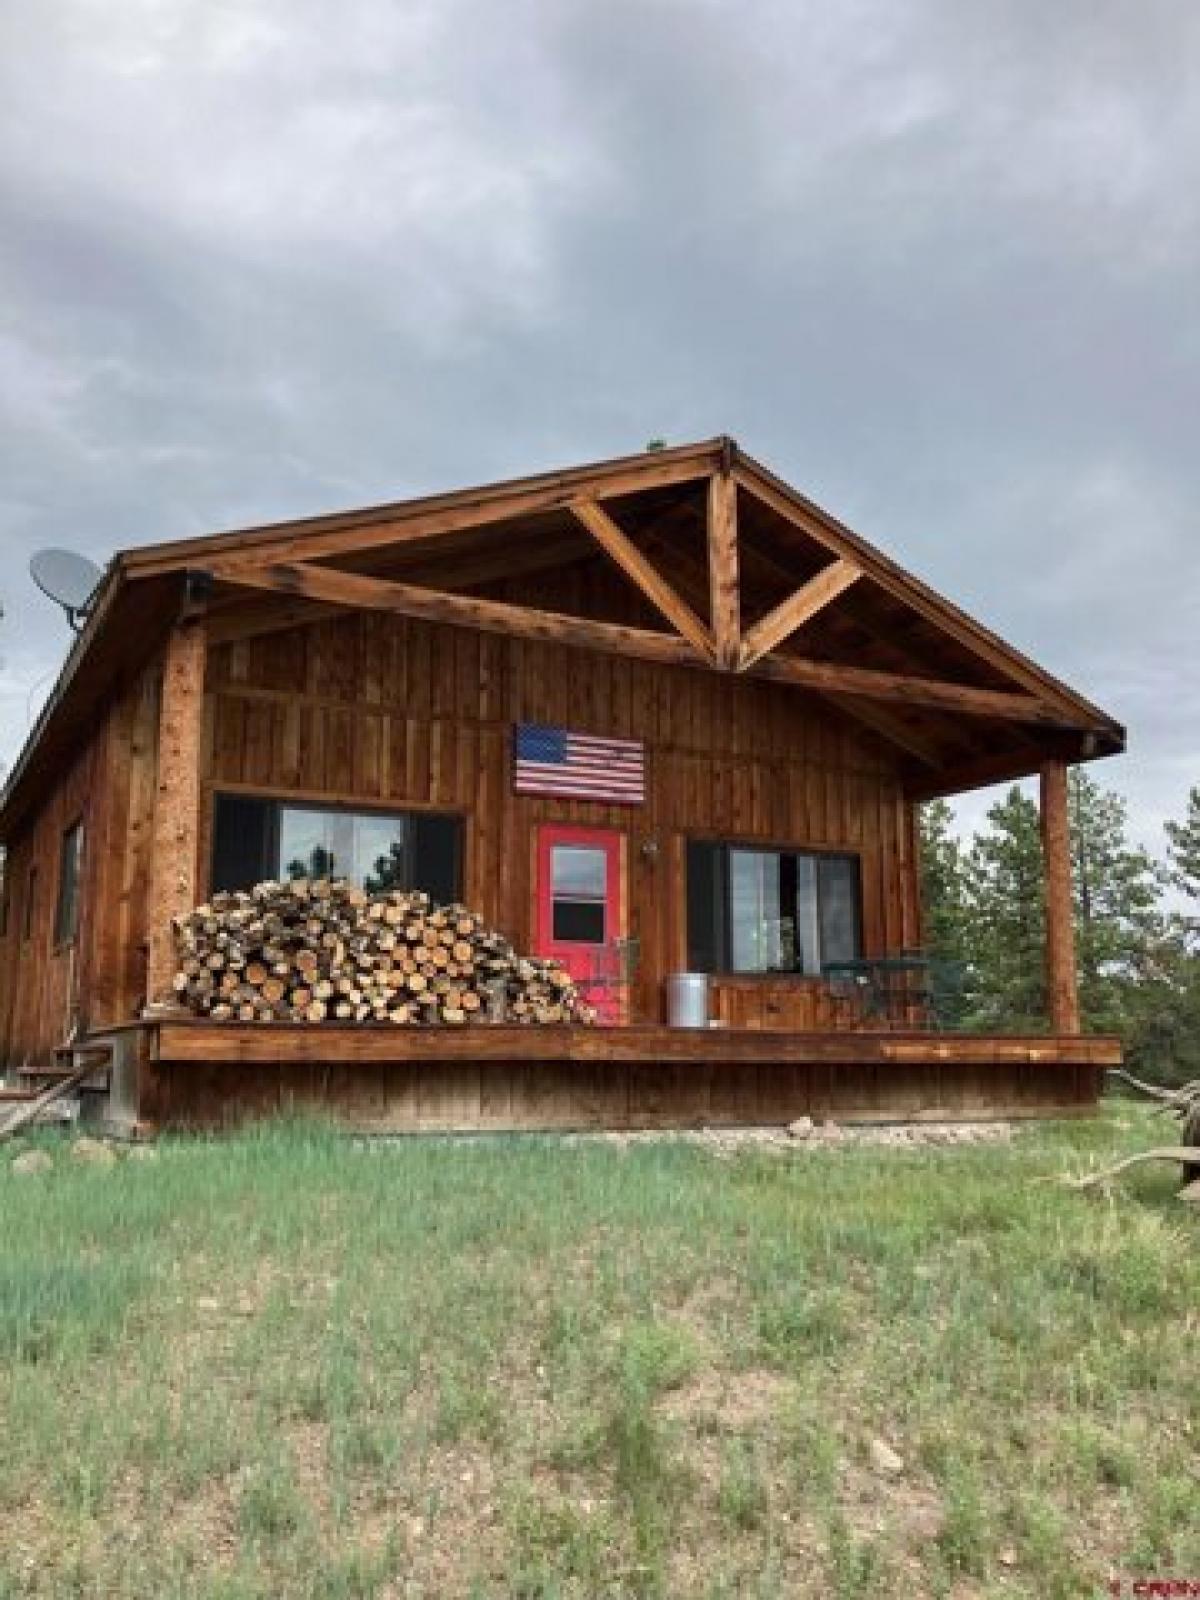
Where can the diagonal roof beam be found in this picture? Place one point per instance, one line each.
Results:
(690, 577)
(299, 580)
(796, 610)
(835, 677)
(616, 543)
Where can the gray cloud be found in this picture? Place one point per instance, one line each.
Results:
(936, 264)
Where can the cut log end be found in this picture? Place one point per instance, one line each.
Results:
(325, 950)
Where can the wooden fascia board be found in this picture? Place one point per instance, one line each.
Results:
(301, 581)
(616, 544)
(314, 538)
(799, 608)
(935, 608)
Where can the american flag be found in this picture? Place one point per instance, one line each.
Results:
(578, 766)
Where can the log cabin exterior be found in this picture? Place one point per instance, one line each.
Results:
(795, 696)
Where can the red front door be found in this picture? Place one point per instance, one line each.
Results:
(579, 914)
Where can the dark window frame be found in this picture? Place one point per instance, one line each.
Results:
(281, 800)
(66, 905)
(28, 916)
(723, 943)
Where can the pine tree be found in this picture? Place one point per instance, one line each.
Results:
(1117, 922)
(1163, 1036)
(944, 908)
(1183, 865)
(1006, 919)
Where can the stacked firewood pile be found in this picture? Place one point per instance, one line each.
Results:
(324, 950)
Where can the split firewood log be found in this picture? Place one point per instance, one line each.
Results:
(316, 950)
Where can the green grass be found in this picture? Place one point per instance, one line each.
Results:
(285, 1364)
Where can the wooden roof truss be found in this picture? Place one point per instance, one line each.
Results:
(295, 565)
(741, 574)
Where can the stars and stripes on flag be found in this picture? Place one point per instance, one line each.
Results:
(578, 766)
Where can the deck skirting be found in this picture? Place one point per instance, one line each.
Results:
(201, 1074)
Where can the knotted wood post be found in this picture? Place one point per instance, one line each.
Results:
(724, 589)
(1062, 988)
(175, 856)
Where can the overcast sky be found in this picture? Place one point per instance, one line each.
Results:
(935, 263)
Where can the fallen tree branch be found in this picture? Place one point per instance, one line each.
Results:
(1177, 1098)
(1189, 1155)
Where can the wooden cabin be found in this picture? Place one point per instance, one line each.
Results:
(775, 694)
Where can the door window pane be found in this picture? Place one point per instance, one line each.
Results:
(578, 921)
(578, 871)
(578, 891)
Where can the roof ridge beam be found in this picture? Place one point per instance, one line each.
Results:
(616, 544)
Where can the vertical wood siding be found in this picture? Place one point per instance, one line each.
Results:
(109, 787)
(382, 710)
(396, 712)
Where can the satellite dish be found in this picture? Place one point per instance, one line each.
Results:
(68, 579)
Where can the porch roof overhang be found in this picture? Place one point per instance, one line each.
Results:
(728, 569)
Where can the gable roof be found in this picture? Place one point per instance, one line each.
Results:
(471, 541)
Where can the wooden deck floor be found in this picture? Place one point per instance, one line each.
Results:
(174, 1073)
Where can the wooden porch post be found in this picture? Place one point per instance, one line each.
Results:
(1062, 990)
(176, 801)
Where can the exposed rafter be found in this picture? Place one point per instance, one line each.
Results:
(616, 543)
(888, 725)
(796, 610)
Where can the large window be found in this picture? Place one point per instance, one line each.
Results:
(754, 910)
(256, 838)
(66, 907)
